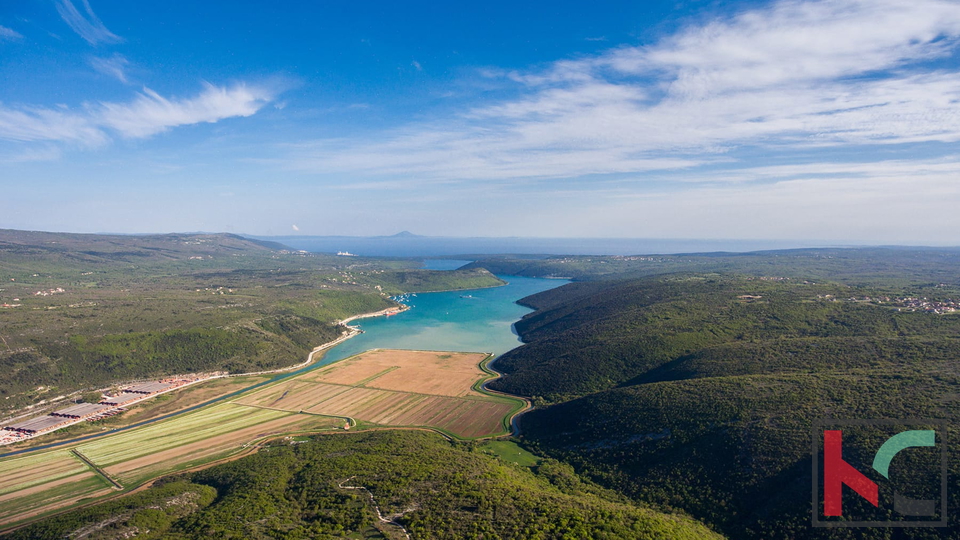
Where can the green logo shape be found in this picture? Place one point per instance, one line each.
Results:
(900, 441)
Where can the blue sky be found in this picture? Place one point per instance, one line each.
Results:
(829, 120)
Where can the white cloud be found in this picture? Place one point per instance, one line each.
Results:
(148, 114)
(40, 124)
(9, 33)
(151, 113)
(833, 73)
(416, 65)
(115, 66)
(88, 25)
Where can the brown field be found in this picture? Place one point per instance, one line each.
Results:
(423, 372)
(396, 388)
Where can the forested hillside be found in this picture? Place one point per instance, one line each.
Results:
(84, 311)
(699, 391)
(309, 488)
(855, 266)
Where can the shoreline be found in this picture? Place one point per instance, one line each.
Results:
(351, 332)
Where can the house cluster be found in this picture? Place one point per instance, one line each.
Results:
(48, 292)
(910, 303)
(927, 306)
(636, 258)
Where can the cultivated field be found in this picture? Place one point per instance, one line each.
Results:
(381, 387)
(38, 483)
(397, 388)
(138, 455)
(424, 372)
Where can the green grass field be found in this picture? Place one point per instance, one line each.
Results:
(511, 452)
(40, 483)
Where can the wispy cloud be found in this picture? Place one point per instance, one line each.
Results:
(115, 66)
(833, 73)
(151, 113)
(46, 152)
(30, 124)
(148, 114)
(9, 34)
(87, 25)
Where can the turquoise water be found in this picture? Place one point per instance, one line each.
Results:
(480, 320)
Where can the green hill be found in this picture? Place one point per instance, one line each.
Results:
(431, 487)
(699, 392)
(85, 311)
(855, 266)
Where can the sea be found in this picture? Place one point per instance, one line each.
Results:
(415, 246)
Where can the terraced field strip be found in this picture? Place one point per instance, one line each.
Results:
(397, 388)
(137, 455)
(480, 419)
(293, 396)
(38, 483)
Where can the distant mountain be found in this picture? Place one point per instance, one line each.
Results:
(405, 234)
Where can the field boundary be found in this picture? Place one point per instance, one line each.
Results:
(96, 468)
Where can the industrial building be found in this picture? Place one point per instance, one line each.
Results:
(82, 410)
(150, 388)
(41, 423)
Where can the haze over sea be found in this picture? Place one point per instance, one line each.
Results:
(410, 245)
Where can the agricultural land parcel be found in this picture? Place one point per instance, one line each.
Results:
(398, 388)
(43, 482)
(383, 387)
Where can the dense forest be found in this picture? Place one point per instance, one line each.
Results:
(427, 486)
(699, 392)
